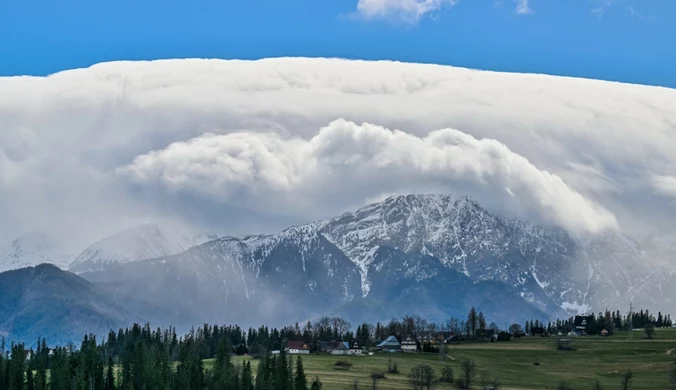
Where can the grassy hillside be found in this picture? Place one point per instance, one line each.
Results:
(513, 363)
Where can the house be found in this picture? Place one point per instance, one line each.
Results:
(581, 323)
(341, 348)
(355, 350)
(297, 348)
(409, 345)
(390, 344)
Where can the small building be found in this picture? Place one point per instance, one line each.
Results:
(581, 323)
(390, 344)
(355, 349)
(409, 345)
(297, 348)
(341, 348)
(605, 332)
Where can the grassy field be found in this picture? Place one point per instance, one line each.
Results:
(513, 363)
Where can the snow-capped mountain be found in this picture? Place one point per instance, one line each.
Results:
(446, 248)
(429, 255)
(545, 264)
(140, 242)
(33, 249)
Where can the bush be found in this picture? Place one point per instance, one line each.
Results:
(377, 375)
(421, 377)
(392, 367)
(447, 374)
(316, 384)
(343, 363)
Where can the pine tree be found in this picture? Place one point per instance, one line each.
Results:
(30, 382)
(282, 377)
(17, 367)
(482, 321)
(300, 380)
(472, 322)
(110, 375)
(247, 379)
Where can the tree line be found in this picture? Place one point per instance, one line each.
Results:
(141, 358)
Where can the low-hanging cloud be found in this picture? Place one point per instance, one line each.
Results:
(264, 165)
(88, 151)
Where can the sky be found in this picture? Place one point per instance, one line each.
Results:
(620, 40)
(236, 144)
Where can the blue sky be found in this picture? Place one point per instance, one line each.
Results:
(624, 40)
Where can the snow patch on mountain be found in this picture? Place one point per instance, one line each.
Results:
(141, 242)
(33, 249)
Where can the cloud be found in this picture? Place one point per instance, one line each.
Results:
(406, 10)
(602, 8)
(265, 166)
(522, 7)
(249, 146)
(665, 185)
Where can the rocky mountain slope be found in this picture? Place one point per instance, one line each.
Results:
(402, 251)
(44, 301)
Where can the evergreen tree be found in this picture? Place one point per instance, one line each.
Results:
(482, 321)
(30, 381)
(110, 375)
(282, 377)
(247, 379)
(17, 367)
(472, 320)
(300, 380)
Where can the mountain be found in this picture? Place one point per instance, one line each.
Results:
(33, 249)
(44, 301)
(429, 255)
(445, 251)
(141, 242)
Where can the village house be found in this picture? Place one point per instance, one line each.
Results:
(390, 344)
(340, 348)
(297, 348)
(409, 345)
(355, 349)
(581, 323)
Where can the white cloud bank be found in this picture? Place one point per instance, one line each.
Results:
(265, 166)
(85, 152)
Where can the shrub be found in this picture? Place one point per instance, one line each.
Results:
(447, 374)
(392, 367)
(343, 363)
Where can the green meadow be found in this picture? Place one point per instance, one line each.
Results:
(525, 363)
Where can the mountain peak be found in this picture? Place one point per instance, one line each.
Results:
(32, 249)
(139, 242)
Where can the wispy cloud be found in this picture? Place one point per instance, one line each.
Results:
(401, 10)
(603, 8)
(523, 7)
